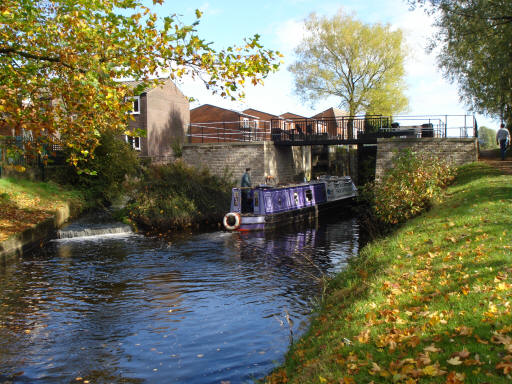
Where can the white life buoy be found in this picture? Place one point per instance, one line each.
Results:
(227, 217)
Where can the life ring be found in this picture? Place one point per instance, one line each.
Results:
(235, 225)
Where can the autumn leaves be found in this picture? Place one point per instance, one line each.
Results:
(429, 304)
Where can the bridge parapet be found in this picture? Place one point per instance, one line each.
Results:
(456, 151)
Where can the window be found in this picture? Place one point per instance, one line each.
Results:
(133, 141)
(245, 123)
(136, 105)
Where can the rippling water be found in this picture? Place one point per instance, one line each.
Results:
(206, 308)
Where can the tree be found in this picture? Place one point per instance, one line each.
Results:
(487, 137)
(475, 40)
(362, 65)
(60, 59)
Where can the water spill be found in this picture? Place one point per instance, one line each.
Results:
(129, 309)
(94, 224)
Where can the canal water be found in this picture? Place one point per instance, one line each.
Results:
(208, 308)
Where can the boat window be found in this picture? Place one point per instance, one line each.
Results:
(256, 199)
(309, 195)
(235, 199)
(296, 198)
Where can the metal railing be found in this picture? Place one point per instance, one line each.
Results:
(341, 129)
(229, 131)
(26, 152)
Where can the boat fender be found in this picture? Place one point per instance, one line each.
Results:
(229, 218)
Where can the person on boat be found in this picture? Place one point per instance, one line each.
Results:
(246, 191)
(246, 179)
(503, 139)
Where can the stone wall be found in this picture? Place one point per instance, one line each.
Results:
(454, 151)
(284, 164)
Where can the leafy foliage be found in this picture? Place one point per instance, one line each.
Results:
(112, 169)
(475, 39)
(177, 196)
(60, 59)
(361, 64)
(410, 186)
(487, 138)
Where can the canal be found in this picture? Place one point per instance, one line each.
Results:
(208, 308)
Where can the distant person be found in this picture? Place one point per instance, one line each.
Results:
(246, 179)
(246, 192)
(503, 139)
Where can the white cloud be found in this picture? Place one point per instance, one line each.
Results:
(208, 10)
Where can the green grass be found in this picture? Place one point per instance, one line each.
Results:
(25, 203)
(429, 304)
(46, 190)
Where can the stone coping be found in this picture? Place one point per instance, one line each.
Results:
(425, 139)
(228, 144)
(23, 242)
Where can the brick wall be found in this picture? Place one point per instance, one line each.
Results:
(264, 159)
(455, 151)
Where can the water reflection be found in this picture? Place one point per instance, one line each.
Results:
(204, 309)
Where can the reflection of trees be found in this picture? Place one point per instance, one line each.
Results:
(297, 260)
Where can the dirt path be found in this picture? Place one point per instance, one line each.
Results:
(492, 157)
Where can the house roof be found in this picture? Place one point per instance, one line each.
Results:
(135, 83)
(330, 112)
(269, 115)
(224, 109)
(289, 115)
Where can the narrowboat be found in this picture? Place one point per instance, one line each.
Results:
(267, 207)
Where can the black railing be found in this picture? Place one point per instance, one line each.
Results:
(229, 131)
(321, 129)
(357, 129)
(339, 130)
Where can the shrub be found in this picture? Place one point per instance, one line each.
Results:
(113, 164)
(177, 196)
(411, 186)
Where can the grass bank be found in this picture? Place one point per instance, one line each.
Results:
(429, 304)
(24, 203)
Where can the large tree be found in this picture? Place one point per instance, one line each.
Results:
(60, 59)
(474, 38)
(361, 64)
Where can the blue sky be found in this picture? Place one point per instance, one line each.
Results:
(279, 22)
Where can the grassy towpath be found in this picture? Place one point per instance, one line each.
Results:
(24, 204)
(431, 303)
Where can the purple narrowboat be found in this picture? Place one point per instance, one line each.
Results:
(266, 207)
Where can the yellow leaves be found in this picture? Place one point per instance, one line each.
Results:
(433, 370)
(455, 378)
(364, 336)
(432, 348)
(491, 312)
(505, 365)
(454, 361)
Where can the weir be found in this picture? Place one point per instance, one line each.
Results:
(93, 224)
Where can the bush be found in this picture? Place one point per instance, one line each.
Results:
(411, 186)
(114, 163)
(177, 196)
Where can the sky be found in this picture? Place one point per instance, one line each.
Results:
(279, 23)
